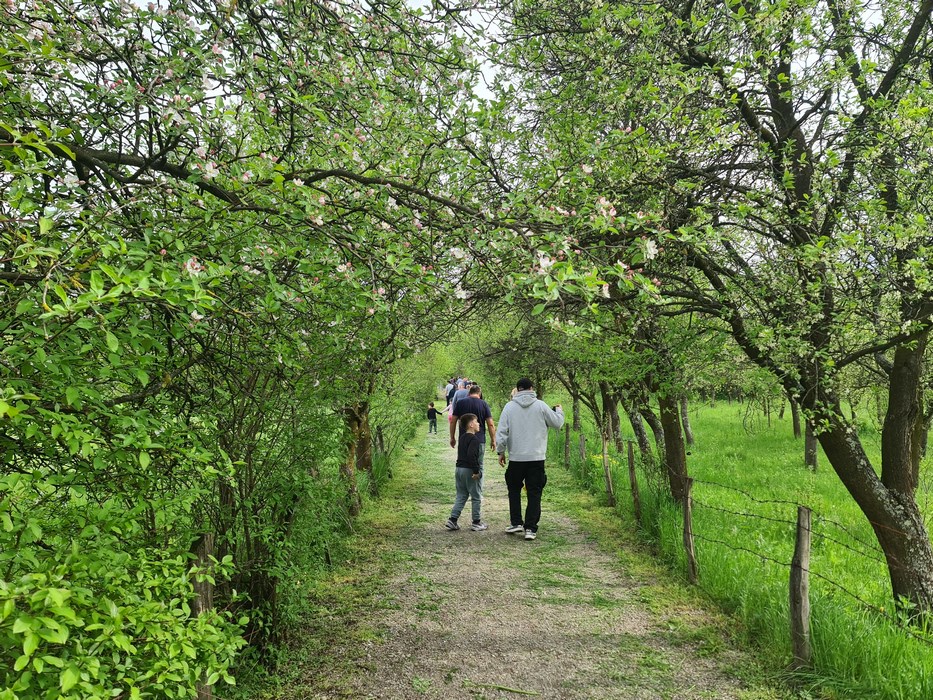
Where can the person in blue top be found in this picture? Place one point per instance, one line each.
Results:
(479, 408)
(468, 476)
(523, 427)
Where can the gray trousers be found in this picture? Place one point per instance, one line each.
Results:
(467, 487)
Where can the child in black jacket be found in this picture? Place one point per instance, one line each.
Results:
(468, 475)
(433, 413)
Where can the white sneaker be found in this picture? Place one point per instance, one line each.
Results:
(512, 529)
(451, 524)
(530, 534)
(476, 527)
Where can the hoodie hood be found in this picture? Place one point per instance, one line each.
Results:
(525, 398)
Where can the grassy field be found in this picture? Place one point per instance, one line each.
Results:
(749, 479)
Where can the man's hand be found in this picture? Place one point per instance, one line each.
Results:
(476, 476)
(492, 447)
(502, 460)
(453, 442)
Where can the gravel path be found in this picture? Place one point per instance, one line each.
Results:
(488, 615)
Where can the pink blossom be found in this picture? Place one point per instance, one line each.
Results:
(247, 176)
(163, 252)
(216, 49)
(192, 266)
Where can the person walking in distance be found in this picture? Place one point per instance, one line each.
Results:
(433, 413)
(522, 433)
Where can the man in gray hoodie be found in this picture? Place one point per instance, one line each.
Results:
(523, 434)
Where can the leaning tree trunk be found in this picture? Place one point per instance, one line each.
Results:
(655, 424)
(675, 454)
(611, 414)
(617, 427)
(889, 503)
(685, 420)
(641, 435)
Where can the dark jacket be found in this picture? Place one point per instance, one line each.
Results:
(468, 451)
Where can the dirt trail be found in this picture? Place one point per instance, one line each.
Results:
(489, 615)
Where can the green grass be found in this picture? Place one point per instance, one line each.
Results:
(744, 547)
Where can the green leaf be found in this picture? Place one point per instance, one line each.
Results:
(144, 459)
(69, 678)
(24, 305)
(112, 342)
(21, 663)
(30, 643)
(22, 625)
(537, 310)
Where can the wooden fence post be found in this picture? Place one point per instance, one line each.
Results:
(688, 531)
(800, 592)
(203, 549)
(582, 447)
(636, 499)
(607, 473)
(566, 445)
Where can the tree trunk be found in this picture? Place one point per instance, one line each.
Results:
(641, 435)
(685, 420)
(902, 433)
(348, 468)
(364, 442)
(577, 426)
(891, 510)
(566, 445)
(203, 550)
(809, 448)
(655, 424)
(611, 415)
(617, 427)
(795, 416)
(675, 454)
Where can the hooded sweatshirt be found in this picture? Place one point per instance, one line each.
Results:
(523, 427)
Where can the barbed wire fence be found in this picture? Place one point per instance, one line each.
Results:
(806, 526)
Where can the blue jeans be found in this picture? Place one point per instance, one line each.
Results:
(467, 487)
